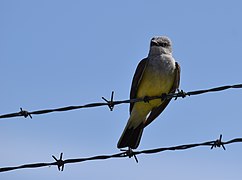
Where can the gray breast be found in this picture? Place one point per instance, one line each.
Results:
(162, 65)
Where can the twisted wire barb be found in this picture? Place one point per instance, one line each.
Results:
(112, 103)
(125, 153)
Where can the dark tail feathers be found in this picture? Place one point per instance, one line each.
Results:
(131, 137)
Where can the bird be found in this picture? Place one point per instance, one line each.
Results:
(155, 75)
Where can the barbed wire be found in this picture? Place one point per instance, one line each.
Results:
(125, 153)
(111, 103)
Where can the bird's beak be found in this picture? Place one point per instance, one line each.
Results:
(154, 43)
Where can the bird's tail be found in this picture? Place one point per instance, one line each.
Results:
(131, 136)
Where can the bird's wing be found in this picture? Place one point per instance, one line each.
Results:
(136, 81)
(156, 111)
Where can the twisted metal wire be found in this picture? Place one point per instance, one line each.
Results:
(125, 153)
(111, 103)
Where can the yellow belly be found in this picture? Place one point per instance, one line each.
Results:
(151, 85)
(154, 84)
(156, 80)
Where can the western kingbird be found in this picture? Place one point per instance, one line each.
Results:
(155, 75)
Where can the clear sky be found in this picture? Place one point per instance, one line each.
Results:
(55, 53)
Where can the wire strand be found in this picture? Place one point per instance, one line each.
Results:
(126, 153)
(111, 103)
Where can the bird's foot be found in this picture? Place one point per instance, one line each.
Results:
(146, 99)
(163, 96)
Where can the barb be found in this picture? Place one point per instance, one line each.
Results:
(60, 163)
(112, 103)
(127, 153)
(218, 143)
(25, 113)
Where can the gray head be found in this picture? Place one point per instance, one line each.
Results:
(161, 44)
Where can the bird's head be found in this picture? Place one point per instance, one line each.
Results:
(161, 45)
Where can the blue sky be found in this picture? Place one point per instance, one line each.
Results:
(59, 53)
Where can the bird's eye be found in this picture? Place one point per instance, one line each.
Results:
(164, 44)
